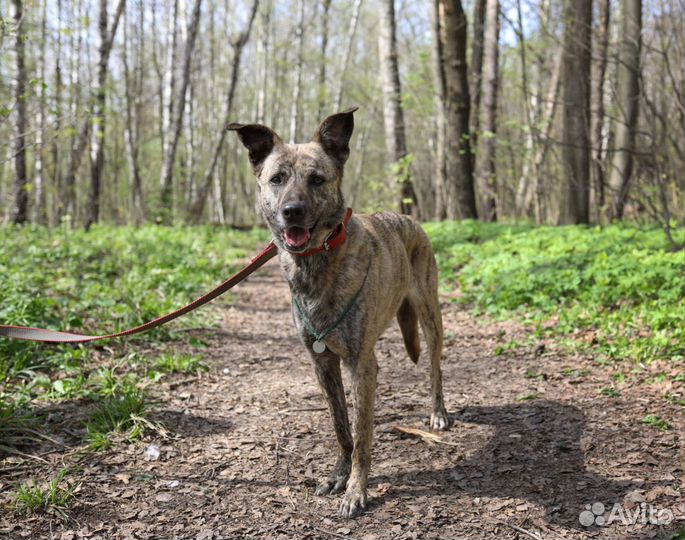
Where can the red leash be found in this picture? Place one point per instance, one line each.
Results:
(335, 239)
(53, 336)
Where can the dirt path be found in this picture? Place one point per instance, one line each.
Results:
(533, 442)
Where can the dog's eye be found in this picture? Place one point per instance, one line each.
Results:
(316, 179)
(277, 179)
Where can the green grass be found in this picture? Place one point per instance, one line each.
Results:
(178, 363)
(108, 279)
(622, 282)
(55, 496)
(657, 422)
(124, 413)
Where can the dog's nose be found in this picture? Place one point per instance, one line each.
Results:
(293, 210)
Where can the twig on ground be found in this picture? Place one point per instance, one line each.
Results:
(427, 436)
(521, 530)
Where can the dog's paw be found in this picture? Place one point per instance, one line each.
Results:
(353, 503)
(331, 486)
(439, 419)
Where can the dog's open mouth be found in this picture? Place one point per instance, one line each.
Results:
(296, 237)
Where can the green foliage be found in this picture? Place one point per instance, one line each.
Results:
(620, 281)
(124, 413)
(98, 282)
(179, 363)
(657, 422)
(54, 497)
(109, 279)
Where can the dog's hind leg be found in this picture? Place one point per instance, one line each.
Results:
(327, 367)
(409, 325)
(425, 301)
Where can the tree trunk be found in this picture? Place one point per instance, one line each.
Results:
(356, 8)
(530, 183)
(166, 208)
(476, 67)
(19, 211)
(168, 95)
(57, 107)
(94, 121)
(98, 131)
(40, 202)
(238, 46)
(597, 106)
(439, 182)
(460, 194)
(393, 115)
(574, 205)
(323, 89)
(265, 54)
(488, 142)
(628, 98)
(296, 105)
(133, 112)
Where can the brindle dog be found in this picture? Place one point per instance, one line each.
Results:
(385, 268)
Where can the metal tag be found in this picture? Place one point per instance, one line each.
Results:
(319, 346)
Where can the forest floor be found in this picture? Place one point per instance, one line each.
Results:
(535, 439)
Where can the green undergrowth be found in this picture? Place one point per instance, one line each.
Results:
(621, 284)
(102, 281)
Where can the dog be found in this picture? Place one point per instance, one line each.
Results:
(348, 276)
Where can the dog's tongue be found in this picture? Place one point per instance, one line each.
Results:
(296, 236)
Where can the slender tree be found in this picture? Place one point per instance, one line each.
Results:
(238, 45)
(488, 142)
(40, 201)
(597, 105)
(477, 66)
(356, 9)
(574, 204)
(19, 211)
(177, 126)
(439, 98)
(323, 90)
(96, 116)
(393, 115)
(296, 105)
(628, 99)
(57, 107)
(133, 91)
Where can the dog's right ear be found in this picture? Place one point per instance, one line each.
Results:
(259, 140)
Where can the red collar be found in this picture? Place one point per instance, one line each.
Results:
(335, 239)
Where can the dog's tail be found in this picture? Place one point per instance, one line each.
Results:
(409, 324)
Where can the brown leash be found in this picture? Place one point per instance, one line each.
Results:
(53, 336)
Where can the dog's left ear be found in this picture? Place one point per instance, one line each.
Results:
(259, 141)
(334, 135)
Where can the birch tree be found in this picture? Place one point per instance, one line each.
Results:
(166, 197)
(393, 115)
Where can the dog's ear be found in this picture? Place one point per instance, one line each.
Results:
(259, 140)
(334, 134)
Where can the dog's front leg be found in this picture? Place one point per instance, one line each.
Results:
(327, 367)
(364, 381)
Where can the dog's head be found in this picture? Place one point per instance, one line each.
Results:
(298, 185)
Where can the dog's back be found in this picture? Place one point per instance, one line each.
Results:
(421, 304)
